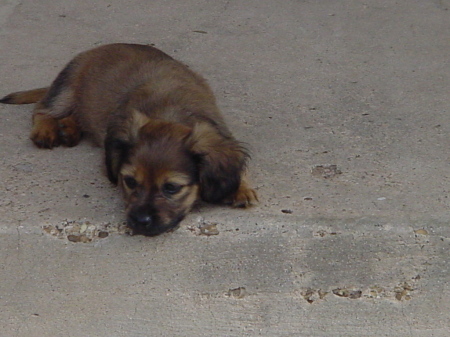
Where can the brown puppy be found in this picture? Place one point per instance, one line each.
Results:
(165, 140)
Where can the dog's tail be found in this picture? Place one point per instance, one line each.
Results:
(24, 97)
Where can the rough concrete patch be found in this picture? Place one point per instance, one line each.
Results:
(203, 227)
(78, 231)
(401, 292)
(325, 171)
(350, 293)
(238, 293)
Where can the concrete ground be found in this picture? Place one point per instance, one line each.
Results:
(345, 105)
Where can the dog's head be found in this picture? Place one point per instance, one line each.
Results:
(165, 167)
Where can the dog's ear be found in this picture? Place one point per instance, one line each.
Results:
(116, 153)
(221, 160)
(120, 140)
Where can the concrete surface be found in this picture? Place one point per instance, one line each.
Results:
(356, 249)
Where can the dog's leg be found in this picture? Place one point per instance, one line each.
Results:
(245, 196)
(53, 120)
(48, 132)
(45, 131)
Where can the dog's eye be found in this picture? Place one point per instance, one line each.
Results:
(130, 182)
(170, 188)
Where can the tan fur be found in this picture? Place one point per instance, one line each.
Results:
(166, 142)
(25, 97)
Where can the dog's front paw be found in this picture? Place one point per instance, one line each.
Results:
(244, 197)
(69, 132)
(44, 133)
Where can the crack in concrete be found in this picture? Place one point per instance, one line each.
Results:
(18, 238)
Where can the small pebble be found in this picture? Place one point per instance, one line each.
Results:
(103, 234)
(421, 231)
(209, 229)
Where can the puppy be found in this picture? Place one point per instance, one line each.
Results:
(166, 143)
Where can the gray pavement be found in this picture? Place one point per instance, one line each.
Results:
(345, 105)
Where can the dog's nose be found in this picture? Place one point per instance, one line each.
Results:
(141, 219)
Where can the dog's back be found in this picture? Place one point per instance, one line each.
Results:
(115, 78)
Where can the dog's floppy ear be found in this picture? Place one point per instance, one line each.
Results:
(116, 153)
(221, 160)
(120, 139)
